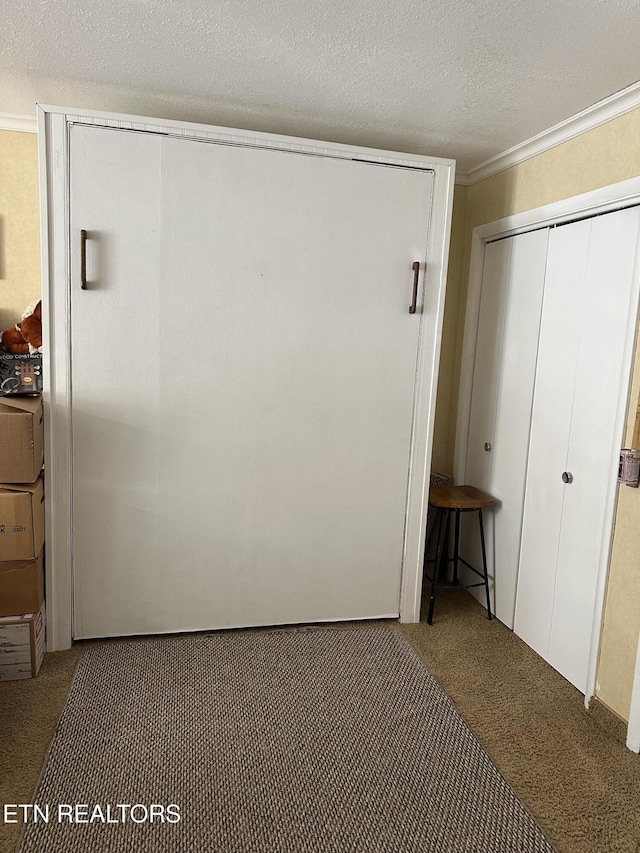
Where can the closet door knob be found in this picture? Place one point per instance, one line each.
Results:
(567, 477)
(487, 446)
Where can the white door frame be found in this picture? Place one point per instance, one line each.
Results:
(633, 729)
(603, 200)
(53, 124)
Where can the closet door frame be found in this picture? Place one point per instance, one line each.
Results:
(603, 200)
(53, 149)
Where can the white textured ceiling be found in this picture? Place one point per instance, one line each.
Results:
(453, 78)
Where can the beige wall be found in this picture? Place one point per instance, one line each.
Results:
(603, 156)
(448, 377)
(622, 611)
(19, 225)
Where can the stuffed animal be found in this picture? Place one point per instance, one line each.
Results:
(25, 336)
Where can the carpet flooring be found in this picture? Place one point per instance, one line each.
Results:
(311, 740)
(568, 765)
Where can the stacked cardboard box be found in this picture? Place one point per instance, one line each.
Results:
(22, 610)
(22, 641)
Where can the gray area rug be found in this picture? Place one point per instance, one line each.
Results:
(312, 740)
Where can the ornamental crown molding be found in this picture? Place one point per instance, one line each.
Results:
(24, 124)
(616, 105)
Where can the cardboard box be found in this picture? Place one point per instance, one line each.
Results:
(22, 645)
(21, 439)
(20, 373)
(21, 586)
(21, 520)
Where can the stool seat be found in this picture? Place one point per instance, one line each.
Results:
(459, 497)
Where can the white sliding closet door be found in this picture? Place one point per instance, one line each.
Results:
(504, 373)
(243, 383)
(590, 274)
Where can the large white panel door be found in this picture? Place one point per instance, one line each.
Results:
(506, 352)
(262, 475)
(590, 274)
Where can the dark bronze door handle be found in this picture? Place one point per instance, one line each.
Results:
(416, 273)
(83, 259)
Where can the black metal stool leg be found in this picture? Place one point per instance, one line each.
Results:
(456, 548)
(484, 564)
(443, 529)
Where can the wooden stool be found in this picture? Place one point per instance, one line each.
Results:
(458, 499)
